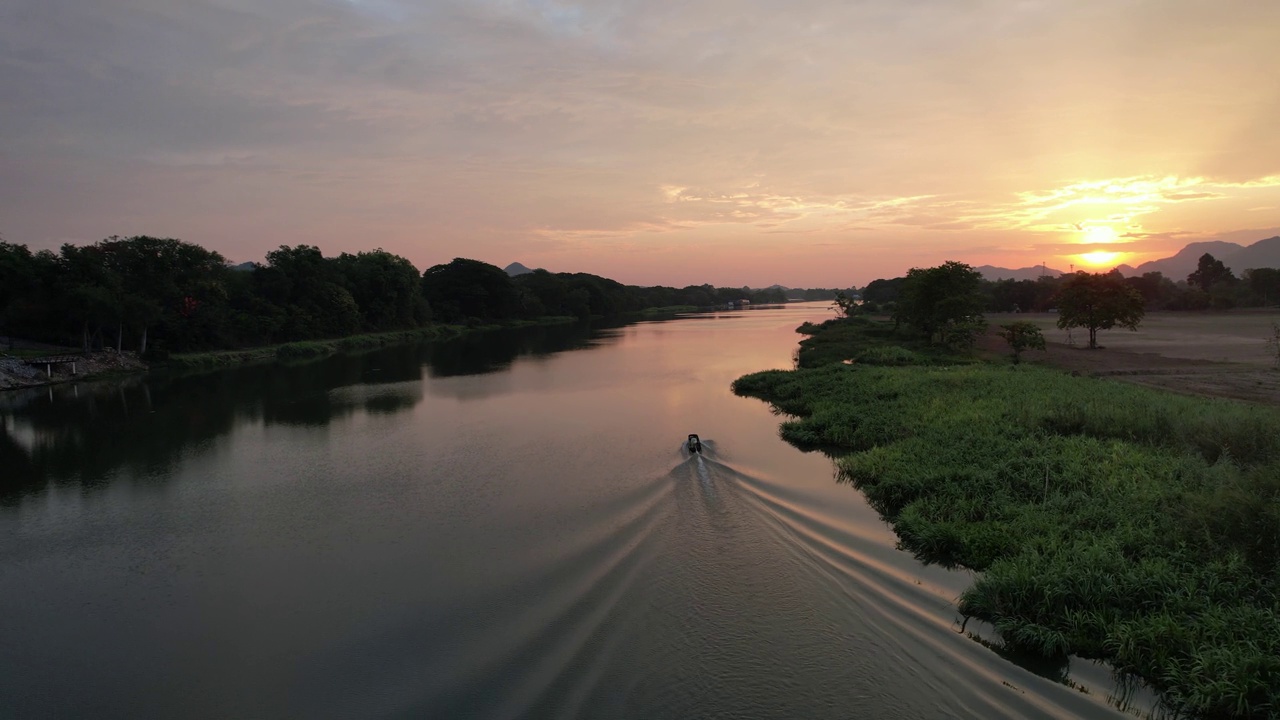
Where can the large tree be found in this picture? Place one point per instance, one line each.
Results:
(1098, 302)
(310, 289)
(176, 286)
(944, 301)
(1264, 283)
(386, 287)
(464, 289)
(1210, 271)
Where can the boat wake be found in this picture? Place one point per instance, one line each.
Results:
(710, 590)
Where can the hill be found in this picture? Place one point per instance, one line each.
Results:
(516, 268)
(990, 272)
(1263, 253)
(1179, 266)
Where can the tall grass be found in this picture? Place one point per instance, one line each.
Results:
(1108, 520)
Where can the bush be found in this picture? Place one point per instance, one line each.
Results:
(892, 355)
(302, 350)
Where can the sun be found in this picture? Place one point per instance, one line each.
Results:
(1100, 257)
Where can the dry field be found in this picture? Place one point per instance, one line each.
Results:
(1218, 354)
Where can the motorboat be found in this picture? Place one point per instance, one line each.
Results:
(695, 445)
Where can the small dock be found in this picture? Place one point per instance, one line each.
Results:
(50, 361)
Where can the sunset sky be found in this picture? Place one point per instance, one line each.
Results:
(744, 142)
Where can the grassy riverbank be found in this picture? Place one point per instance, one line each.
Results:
(1107, 520)
(318, 348)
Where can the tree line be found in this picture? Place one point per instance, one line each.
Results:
(160, 295)
(945, 305)
(1212, 286)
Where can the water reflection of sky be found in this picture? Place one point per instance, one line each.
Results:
(144, 424)
(365, 536)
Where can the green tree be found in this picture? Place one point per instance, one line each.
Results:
(87, 292)
(386, 287)
(1022, 336)
(944, 301)
(465, 288)
(175, 286)
(1098, 302)
(311, 290)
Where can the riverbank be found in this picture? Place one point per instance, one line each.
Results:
(15, 373)
(310, 349)
(1109, 521)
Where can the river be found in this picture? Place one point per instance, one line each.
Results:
(504, 526)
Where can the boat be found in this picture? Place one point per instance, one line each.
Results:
(695, 445)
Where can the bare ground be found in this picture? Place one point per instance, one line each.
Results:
(1223, 354)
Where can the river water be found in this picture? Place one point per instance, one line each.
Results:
(505, 526)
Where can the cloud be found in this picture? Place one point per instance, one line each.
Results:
(451, 127)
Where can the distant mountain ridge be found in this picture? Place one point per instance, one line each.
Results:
(1263, 253)
(990, 272)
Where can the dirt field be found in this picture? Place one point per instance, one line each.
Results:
(1209, 354)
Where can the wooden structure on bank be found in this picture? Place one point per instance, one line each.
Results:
(49, 362)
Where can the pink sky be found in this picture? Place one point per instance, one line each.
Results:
(808, 143)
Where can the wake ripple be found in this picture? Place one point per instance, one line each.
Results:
(917, 617)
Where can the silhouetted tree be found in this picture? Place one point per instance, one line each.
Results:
(883, 291)
(1157, 291)
(386, 288)
(311, 290)
(1264, 283)
(1209, 272)
(465, 289)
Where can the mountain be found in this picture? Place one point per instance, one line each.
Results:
(993, 273)
(1264, 253)
(516, 268)
(1184, 263)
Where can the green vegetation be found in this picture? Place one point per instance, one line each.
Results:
(944, 302)
(161, 296)
(1098, 302)
(309, 349)
(1021, 336)
(1211, 286)
(1108, 521)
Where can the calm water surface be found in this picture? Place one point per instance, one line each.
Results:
(501, 527)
